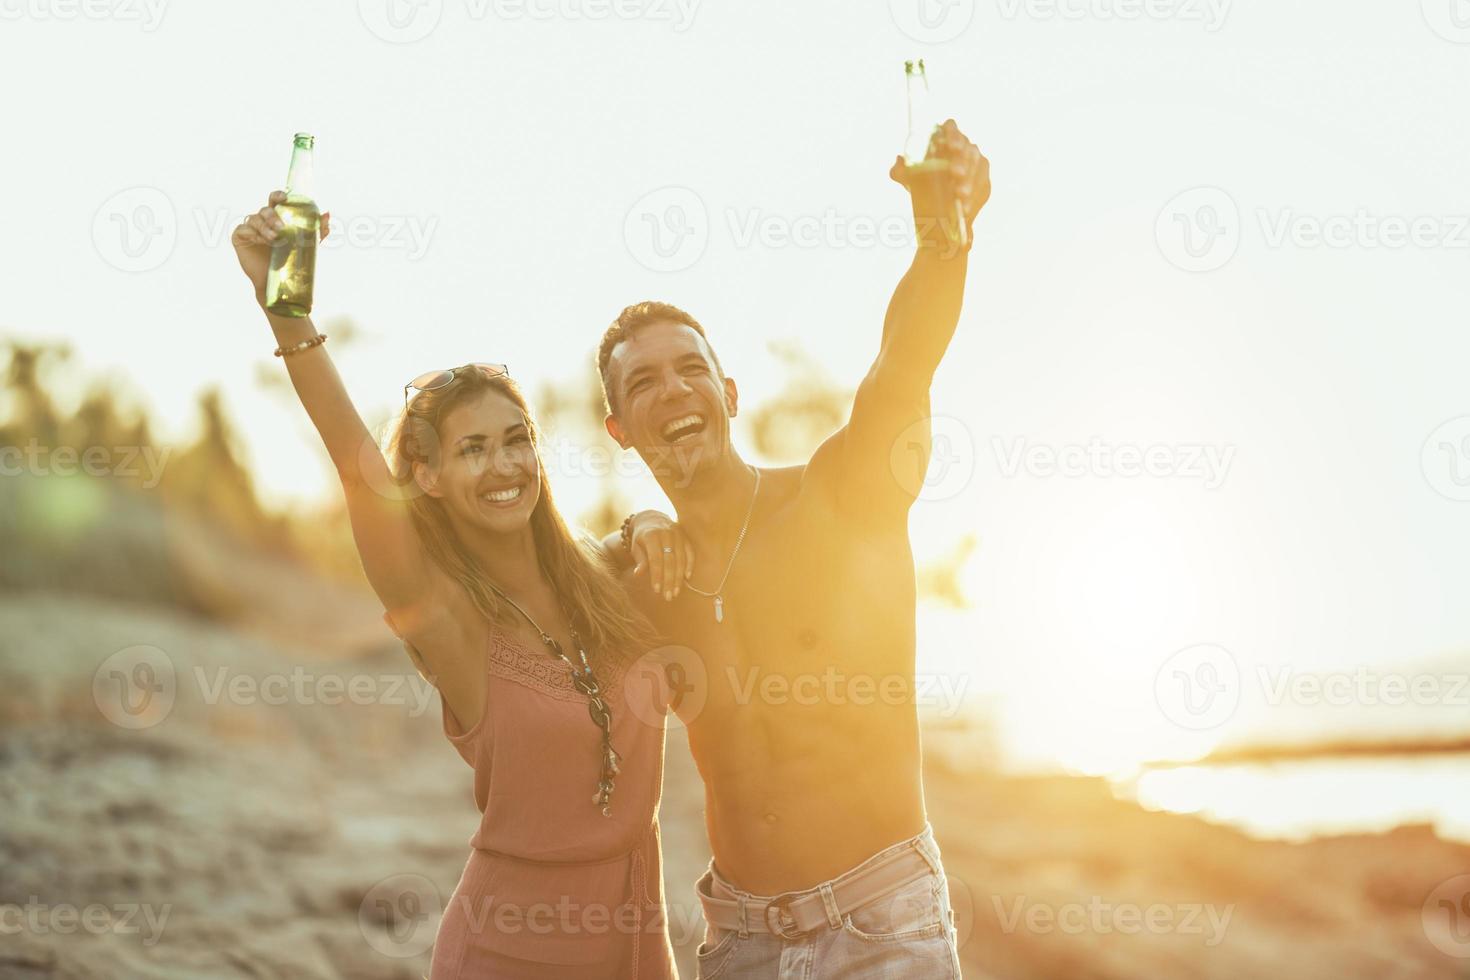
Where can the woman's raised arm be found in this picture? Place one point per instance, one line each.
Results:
(397, 566)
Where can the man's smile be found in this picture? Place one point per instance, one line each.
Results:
(683, 429)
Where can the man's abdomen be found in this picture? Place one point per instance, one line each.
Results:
(797, 794)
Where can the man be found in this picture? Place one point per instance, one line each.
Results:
(799, 616)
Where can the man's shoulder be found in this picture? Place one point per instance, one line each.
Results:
(802, 498)
(782, 482)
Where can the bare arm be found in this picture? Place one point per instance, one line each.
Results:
(876, 463)
(411, 589)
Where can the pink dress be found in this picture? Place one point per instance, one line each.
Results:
(553, 888)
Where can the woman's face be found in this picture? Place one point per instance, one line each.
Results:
(488, 477)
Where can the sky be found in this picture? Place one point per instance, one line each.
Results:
(1209, 392)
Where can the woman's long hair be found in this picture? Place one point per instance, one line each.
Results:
(597, 604)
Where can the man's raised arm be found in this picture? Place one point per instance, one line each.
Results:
(878, 460)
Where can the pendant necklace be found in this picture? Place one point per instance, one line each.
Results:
(584, 682)
(719, 593)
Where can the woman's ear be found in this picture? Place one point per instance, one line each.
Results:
(427, 479)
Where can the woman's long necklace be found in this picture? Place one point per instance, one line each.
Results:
(585, 681)
(719, 593)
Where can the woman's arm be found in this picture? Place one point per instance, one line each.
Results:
(410, 587)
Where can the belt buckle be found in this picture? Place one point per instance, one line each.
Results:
(781, 907)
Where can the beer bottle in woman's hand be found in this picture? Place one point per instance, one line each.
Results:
(291, 277)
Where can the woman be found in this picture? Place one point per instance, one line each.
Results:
(528, 637)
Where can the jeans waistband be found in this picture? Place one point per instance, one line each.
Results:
(795, 912)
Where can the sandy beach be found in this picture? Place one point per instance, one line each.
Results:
(230, 836)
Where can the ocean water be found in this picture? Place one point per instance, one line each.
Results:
(1075, 712)
(1297, 799)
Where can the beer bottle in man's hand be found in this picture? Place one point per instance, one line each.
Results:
(925, 166)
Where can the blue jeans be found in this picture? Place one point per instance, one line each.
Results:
(906, 933)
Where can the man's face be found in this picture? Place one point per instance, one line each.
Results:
(669, 401)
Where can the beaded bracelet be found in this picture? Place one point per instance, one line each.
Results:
(305, 345)
(627, 534)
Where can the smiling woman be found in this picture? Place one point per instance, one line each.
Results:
(465, 453)
(528, 636)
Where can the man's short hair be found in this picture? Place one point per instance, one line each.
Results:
(635, 317)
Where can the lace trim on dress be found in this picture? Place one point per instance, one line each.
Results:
(511, 659)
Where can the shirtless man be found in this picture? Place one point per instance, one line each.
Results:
(800, 611)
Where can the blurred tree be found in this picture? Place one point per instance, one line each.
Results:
(808, 409)
(939, 580)
(33, 414)
(209, 479)
(574, 411)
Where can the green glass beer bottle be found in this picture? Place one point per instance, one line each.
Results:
(924, 123)
(292, 274)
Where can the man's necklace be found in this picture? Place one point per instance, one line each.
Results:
(719, 593)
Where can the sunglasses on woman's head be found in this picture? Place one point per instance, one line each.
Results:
(431, 380)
